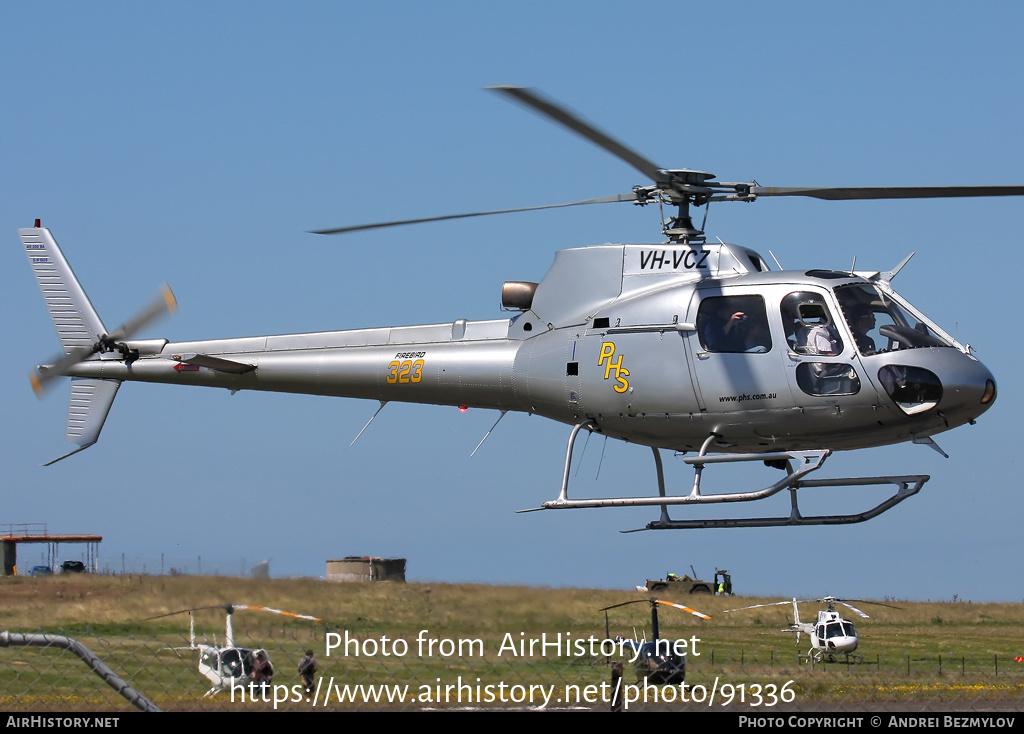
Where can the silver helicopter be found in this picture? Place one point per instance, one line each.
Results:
(687, 345)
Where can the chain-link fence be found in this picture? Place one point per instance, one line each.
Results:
(367, 673)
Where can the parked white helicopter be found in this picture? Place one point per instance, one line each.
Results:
(684, 345)
(831, 635)
(229, 666)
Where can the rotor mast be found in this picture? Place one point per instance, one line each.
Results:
(682, 187)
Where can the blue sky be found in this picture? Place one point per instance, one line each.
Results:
(198, 143)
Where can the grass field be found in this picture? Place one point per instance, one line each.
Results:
(959, 654)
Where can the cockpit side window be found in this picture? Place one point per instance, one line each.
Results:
(734, 324)
(211, 659)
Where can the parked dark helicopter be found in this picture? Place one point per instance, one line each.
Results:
(684, 345)
(657, 660)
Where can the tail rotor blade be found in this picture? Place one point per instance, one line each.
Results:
(162, 305)
(44, 375)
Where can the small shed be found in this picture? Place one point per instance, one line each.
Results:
(366, 568)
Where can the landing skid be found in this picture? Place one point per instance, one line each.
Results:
(816, 657)
(806, 462)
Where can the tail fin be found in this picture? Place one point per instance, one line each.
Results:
(78, 326)
(73, 315)
(87, 411)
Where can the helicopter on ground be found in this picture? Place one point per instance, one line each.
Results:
(688, 345)
(831, 636)
(656, 661)
(228, 666)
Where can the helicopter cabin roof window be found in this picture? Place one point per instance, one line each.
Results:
(734, 324)
(757, 262)
(827, 274)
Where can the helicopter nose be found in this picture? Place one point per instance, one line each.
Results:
(959, 385)
(969, 389)
(841, 643)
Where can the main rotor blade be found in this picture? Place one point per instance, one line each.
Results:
(694, 612)
(864, 601)
(853, 608)
(533, 99)
(887, 192)
(230, 608)
(758, 606)
(187, 611)
(657, 601)
(397, 223)
(278, 611)
(625, 604)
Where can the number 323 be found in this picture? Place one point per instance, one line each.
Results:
(405, 371)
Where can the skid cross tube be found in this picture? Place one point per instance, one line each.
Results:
(806, 462)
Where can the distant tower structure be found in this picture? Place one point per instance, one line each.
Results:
(366, 568)
(261, 570)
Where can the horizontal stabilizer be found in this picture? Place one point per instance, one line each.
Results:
(87, 411)
(216, 363)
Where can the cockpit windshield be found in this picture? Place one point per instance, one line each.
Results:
(881, 324)
(236, 663)
(839, 629)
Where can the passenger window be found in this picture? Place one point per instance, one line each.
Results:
(827, 378)
(734, 324)
(809, 326)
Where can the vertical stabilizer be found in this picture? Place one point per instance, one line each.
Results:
(76, 321)
(78, 327)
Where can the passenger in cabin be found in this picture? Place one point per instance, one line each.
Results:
(734, 324)
(724, 331)
(759, 337)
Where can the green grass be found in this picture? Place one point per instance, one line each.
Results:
(919, 654)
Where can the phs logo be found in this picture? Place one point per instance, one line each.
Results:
(621, 373)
